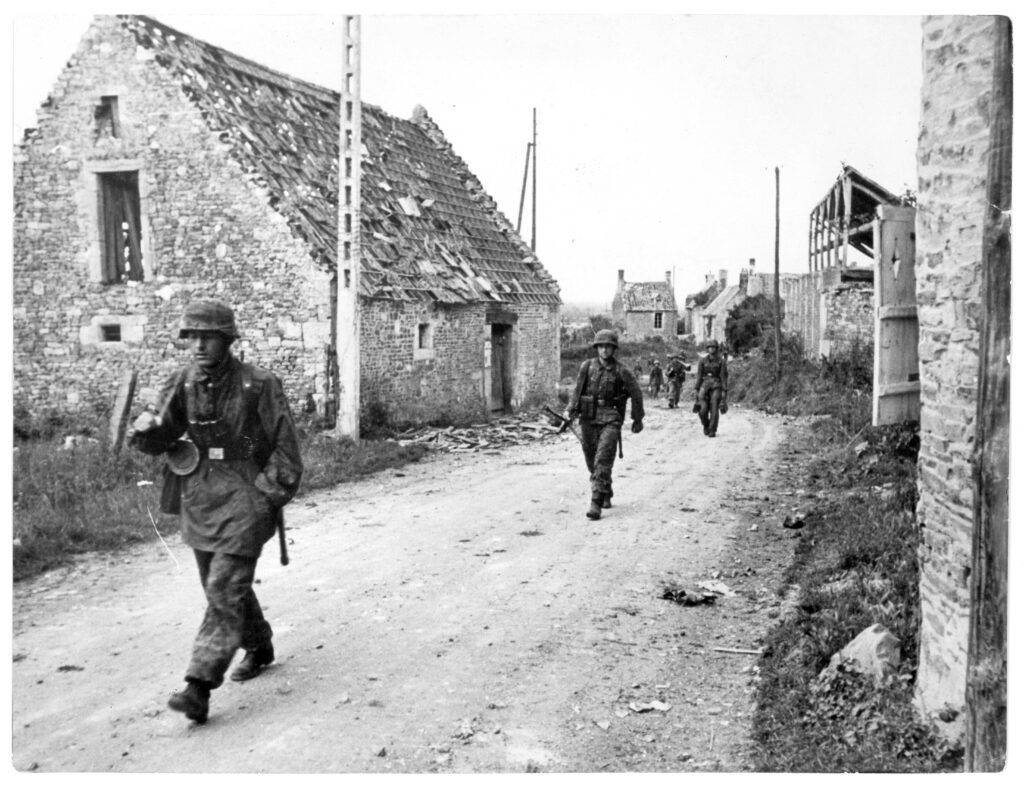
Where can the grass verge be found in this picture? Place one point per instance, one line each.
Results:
(82, 499)
(855, 566)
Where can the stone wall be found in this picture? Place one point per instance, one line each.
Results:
(828, 316)
(952, 149)
(849, 318)
(450, 373)
(206, 231)
(640, 324)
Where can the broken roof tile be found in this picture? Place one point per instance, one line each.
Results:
(285, 132)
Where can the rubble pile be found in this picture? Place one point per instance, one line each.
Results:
(508, 430)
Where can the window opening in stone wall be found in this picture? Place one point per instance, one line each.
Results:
(106, 118)
(657, 320)
(424, 339)
(110, 333)
(120, 226)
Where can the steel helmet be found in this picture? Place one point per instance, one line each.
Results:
(208, 315)
(607, 337)
(712, 344)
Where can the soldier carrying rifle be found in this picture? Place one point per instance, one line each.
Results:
(599, 400)
(246, 467)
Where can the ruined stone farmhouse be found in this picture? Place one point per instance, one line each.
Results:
(163, 169)
(645, 309)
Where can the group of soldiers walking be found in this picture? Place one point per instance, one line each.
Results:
(603, 387)
(242, 464)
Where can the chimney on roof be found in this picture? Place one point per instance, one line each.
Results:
(723, 276)
(668, 277)
(622, 275)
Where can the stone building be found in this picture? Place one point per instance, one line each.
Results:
(645, 309)
(958, 163)
(163, 168)
(694, 304)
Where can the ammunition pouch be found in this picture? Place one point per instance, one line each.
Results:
(170, 493)
(588, 407)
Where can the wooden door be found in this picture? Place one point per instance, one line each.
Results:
(897, 385)
(501, 367)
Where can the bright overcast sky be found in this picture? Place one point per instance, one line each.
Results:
(658, 134)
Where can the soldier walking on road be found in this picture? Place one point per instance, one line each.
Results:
(247, 467)
(712, 386)
(656, 379)
(599, 400)
(676, 375)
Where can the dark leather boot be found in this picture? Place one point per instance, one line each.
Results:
(595, 510)
(193, 701)
(606, 501)
(253, 663)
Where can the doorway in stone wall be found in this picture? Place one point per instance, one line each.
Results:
(501, 367)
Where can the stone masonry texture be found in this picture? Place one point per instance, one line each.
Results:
(952, 148)
(208, 232)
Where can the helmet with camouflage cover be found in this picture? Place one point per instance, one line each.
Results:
(606, 337)
(208, 316)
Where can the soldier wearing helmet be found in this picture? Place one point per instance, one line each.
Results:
(230, 498)
(711, 388)
(603, 386)
(656, 379)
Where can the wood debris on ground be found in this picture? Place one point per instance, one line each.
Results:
(504, 431)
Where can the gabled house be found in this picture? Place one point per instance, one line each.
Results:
(163, 168)
(645, 309)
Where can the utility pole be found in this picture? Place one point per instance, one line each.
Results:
(778, 305)
(345, 286)
(522, 193)
(533, 235)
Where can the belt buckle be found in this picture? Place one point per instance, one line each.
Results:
(215, 453)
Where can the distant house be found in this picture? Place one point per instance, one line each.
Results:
(164, 169)
(694, 304)
(646, 309)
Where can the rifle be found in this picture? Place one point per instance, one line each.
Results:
(561, 422)
(280, 538)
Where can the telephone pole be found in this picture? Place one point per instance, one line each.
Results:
(778, 305)
(533, 235)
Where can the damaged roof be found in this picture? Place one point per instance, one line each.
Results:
(429, 231)
(648, 296)
(726, 299)
(865, 195)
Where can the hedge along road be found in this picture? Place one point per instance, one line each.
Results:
(457, 615)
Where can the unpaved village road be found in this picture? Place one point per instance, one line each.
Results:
(456, 615)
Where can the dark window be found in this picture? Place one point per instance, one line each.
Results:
(657, 320)
(120, 227)
(111, 333)
(423, 340)
(108, 121)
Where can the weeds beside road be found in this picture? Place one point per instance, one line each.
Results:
(855, 565)
(76, 496)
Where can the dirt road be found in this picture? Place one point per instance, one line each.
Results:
(457, 615)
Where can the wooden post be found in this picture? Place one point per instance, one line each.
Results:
(985, 734)
(533, 228)
(122, 410)
(522, 193)
(778, 307)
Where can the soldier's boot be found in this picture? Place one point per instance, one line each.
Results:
(193, 701)
(253, 663)
(606, 501)
(595, 509)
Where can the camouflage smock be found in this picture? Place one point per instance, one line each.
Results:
(250, 464)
